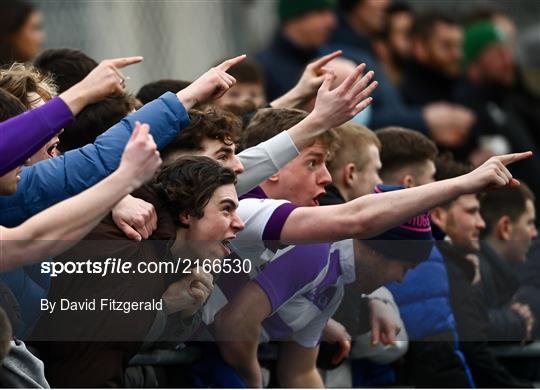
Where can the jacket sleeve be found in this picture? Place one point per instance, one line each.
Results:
(23, 135)
(505, 325)
(262, 161)
(51, 181)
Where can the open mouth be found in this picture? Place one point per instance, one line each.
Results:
(227, 246)
(51, 150)
(317, 198)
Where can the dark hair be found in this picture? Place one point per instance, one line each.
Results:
(424, 24)
(155, 89)
(505, 201)
(94, 120)
(247, 71)
(400, 147)
(188, 183)
(396, 7)
(66, 66)
(448, 168)
(483, 13)
(13, 15)
(208, 123)
(348, 5)
(10, 106)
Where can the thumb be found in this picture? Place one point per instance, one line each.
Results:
(129, 231)
(135, 132)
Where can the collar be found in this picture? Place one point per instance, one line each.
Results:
(256, 193)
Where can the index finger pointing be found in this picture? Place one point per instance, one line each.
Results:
(123, 62)
(326, 59)
(225, 65)
(514, 157)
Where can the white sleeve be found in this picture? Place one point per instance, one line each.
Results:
(262, 161)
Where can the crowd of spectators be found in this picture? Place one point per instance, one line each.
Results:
(352, 206)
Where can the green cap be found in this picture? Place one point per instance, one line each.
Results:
(291, 9)
(477, 37)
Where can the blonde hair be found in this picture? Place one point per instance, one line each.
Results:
(353, 142)
(21, 80)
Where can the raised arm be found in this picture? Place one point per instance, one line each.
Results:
(23, 135)
(332, 109)
(372, 214)
(58, 228)
(53, 180)
(308, 85)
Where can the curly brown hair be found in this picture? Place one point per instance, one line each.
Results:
(207, 123)
(188, 183)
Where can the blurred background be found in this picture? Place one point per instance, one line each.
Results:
(181, 38)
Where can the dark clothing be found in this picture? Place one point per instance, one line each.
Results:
(332, 196)
(499, 111)
(472, 321)
(423, 85)
(529, 279)
(91, 348)
(435, 364)
(388, 106)
(499, 285)
(283, 63)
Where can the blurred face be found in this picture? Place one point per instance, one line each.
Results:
(242, 93)
(399, 38)
(522, 232)
(371, 14)
(444, 49)
(312, 30)
(301, 181)
(49, 150)
(366, 179)
(374, 270)
(496, 64)
(209, 236)
(29, 39)
(8, 182)
(463, 223)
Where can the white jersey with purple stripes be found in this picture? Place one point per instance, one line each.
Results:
(304, 283)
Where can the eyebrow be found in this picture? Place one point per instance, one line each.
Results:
(226, 149)
(230, 202)
(315, 154)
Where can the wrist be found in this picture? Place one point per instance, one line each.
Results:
(126, 178)
(76, 98)
(187, 99)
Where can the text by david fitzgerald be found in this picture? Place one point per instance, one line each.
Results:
(103, 304)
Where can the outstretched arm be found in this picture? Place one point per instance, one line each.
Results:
(58, 228)
(308, 85)
(332, 108)
(24, 134)
(372, 214)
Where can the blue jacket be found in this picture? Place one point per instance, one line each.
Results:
(51, 181)
(424, 299)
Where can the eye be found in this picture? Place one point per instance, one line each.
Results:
(222, 157)
(311, 163)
